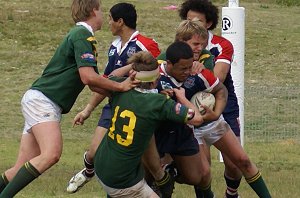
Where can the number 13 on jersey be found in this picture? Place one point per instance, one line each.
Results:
(128, 129)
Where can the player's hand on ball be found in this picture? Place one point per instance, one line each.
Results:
(208, 114)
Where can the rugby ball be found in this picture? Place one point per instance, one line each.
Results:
(203, 98)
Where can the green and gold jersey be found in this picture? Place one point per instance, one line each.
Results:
(60, 80)
(135, 116)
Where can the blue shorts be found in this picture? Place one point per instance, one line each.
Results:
(232, 118)
(105, 118)
(176, 139)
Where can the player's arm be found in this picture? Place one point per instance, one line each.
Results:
(122, 71)
(194, 116)
(223, 60)
(220, 92)
(94, 101)
(97, 83)
(217, 88)
(221, 70)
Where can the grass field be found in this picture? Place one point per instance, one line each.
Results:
(30, 31)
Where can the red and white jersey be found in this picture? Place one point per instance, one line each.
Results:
(220, 47)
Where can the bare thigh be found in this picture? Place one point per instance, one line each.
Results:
(49, 138)
(230, 146)
(231, 170)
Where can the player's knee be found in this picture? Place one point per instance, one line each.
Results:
(205, 175)
(193, 178)
(244, 163)
(55, 158)
(52, 158)
(89, 155)
(231, 168)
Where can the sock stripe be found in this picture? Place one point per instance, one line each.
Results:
(87, 164)
(4, 179)
(31, 169)
(164, 180)
(232, 190)
(254, 178)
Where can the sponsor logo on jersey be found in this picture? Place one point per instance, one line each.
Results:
(165, 85)
(119, 63)
(131, 51)
(88, 57)
(111, 52)
(190, 82)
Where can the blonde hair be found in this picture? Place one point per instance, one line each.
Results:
(81, 9)
(188, 28)
(143, 61)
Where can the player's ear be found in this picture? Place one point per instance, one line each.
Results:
(120, 21)
(169, 64)
(93, 12)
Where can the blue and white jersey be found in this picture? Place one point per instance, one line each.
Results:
(205, 81)
(118, 55)
(177, 138)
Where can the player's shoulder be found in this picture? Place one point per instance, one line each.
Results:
(221, 41)
(145, 39)
(205, 52)
(146, 43)
(80, 33)
(208, 76)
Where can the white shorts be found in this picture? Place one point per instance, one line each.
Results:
(212, 132)
(141, 189)
(37, 108)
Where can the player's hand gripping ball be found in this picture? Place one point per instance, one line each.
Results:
(203, 98)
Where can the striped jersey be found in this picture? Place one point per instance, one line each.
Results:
(118, 55)
(222, 50)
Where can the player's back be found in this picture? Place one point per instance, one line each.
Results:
(135, 117)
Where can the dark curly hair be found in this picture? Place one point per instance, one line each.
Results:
(205, 7)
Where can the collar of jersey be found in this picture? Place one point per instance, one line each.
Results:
(117, 43)
(87, 26)
(163, 72)
(146, 90)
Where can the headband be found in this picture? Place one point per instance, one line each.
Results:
(147, 76)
